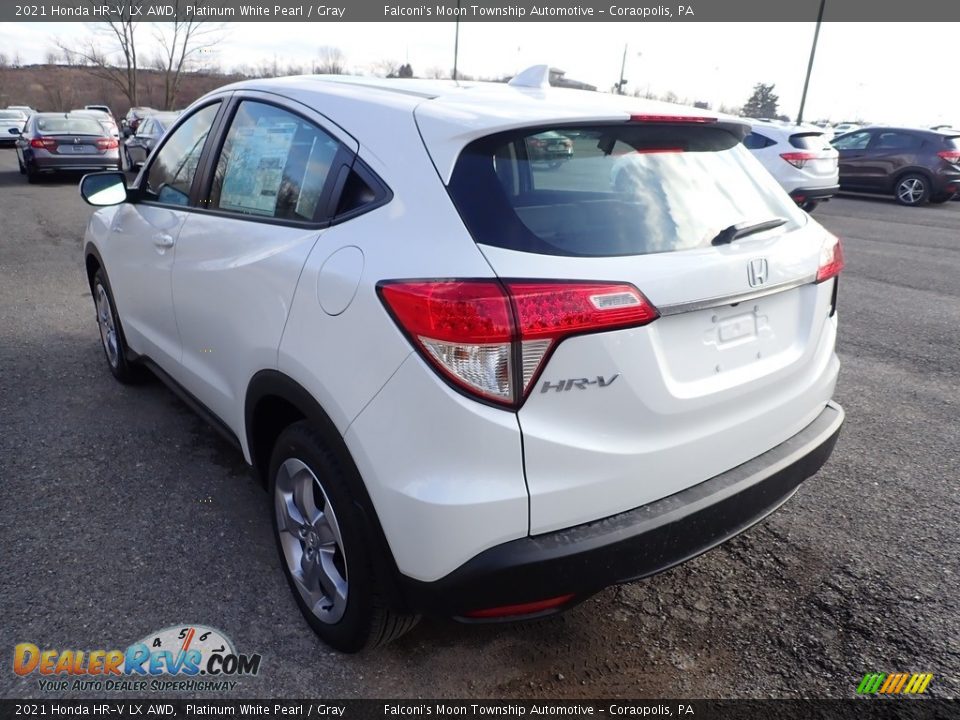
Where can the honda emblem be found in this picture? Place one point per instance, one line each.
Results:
(757, 272)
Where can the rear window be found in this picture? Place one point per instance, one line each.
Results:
(952, 142)
(68, 126)
(809, 141)
(612, 190)
(12, 115)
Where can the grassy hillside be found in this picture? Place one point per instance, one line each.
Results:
(60, 87)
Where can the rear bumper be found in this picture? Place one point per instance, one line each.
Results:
(817, 193)
(107, 161)
(582, 560)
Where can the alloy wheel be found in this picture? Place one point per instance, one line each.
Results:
(910, 190)
(310, 536)
(108, 327)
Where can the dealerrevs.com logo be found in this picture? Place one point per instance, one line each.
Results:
(184, 658)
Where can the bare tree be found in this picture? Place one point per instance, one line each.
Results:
(111, 52)
(386, 68)
(182, 43)
(330, 61)
(437, 73)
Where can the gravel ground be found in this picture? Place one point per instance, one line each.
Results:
(125, 514)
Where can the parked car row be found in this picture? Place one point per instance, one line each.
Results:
(83, 139)
(915, 166)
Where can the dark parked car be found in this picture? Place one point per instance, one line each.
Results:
(134, 117)
(915, 166)
(62, 141)
(138, 146)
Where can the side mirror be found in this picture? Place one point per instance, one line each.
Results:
(14, 131)
(104, 188)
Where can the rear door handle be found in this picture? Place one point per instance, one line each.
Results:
(163, 241)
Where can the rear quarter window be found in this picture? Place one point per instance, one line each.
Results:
(756, 141)
(612, 190)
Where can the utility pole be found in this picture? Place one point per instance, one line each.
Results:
(813, 52)
(623, 67)
(456, 42)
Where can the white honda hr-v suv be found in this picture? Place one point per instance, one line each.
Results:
(477, 385)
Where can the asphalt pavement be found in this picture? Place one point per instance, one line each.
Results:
(123, 513)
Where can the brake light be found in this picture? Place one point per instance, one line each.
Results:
(491, 339)
(798, 159)
(107, 144)
(697, 119)
(43, 143)
(951, 156)
(831, 258)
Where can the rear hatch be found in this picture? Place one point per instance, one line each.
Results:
(814, 155)
(741, 355)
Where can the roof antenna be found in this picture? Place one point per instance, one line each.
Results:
(535, 76)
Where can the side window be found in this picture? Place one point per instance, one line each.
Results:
(274, 164)
(755, 141)
(171, 173)
(853, 141)
(895, 141)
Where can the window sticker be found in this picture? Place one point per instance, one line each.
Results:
(255, 171)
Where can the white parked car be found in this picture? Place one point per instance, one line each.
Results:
(475, 385)
(845, 127)
(801, 158)
(12, 123)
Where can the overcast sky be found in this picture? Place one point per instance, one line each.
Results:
(894, 73)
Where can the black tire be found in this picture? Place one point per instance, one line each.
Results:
(912, 190)
(119, 362)
(810, 205)
(33, 177)
(364, 621)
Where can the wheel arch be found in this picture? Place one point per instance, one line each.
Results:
(912, 170)
(92, 262)
(273, 402)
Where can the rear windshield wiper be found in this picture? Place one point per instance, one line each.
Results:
(735, 232)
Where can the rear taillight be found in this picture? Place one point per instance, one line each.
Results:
(831, 258)
(798, 159)
(43, 143)
(491, 339)
(951, 156)
(107, 144)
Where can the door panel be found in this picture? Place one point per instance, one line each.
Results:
(233, 284)
(853, 156)
(141, 251)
